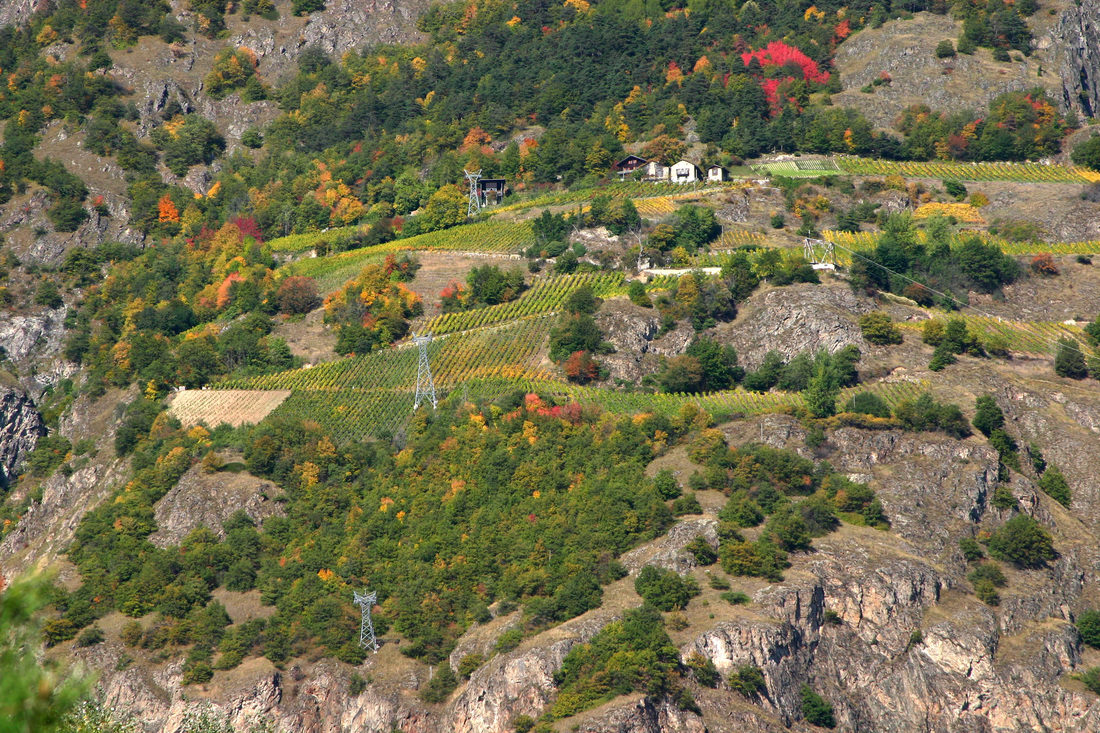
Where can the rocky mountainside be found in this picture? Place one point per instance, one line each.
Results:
(1078, 34)
(880, 623)
(885, 624)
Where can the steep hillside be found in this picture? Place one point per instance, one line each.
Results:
(788, 423)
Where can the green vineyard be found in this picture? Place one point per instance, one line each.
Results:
(1033, 337)
(546, 295)
(810, 168)
(1021, 172)
(372, 395)
(868, 240)
(309, 240)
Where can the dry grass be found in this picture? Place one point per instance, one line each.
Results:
(234, 406)
(308, 337)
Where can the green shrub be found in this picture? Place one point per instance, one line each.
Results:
(1069, 361)
(703, 552)
(925, 414)
(665, 589)
(748, 681)
(760, 559)
(687, 504)
(741, 511)
(197, 673)
(815, 709)
(441, 686)
(67, 215)
(90, 636)
(356, 685)
(509, 640)
(1055, 485)
(252, 138)
(703, 669)
(469, 664)
(788, 529)
(955, 189)
(735, 598)
(879, 329)
(989, 571)
(1091, 678)
(971, 550)
(945, 50)
(1023, 542)
(1088, 626)
(131, 632)
(867, 403)
(667, 485)
(987, 592)
(523, 724)
(48, 295)
(988, 416)
(58, 630)
(634, 653)
(1003, 497)
(1087, 154)
(717, 582)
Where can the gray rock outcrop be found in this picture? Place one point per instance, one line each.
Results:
(20, 428)
(1079, 34)
(795, 319)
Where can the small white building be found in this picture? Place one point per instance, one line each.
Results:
(684, 172)
(654, 170)
(717, 174)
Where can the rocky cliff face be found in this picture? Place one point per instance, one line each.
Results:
(795, 319)
(20, 428)
(1079, 33)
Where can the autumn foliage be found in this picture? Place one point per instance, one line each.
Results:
(1043, 264)
(168, 210)
(580, 367)
(778, 53)
(297, 294)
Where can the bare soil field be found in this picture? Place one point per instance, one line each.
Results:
(309, 337)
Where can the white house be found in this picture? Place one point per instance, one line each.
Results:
(654, 170)
(717, 174)
(684, 172)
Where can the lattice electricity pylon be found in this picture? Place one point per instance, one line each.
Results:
(425, 385)
(366, 601)
(809, 251)
(474, 204)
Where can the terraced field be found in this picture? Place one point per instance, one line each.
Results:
(233, 406)
(1035, 337)
(957, 171)
(546, 296)
(868, 240)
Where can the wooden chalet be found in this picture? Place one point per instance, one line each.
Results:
(630, 163)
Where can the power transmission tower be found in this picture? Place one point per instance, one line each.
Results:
(474, 205)
(425, 385)
(366, 601)
(809, 251)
